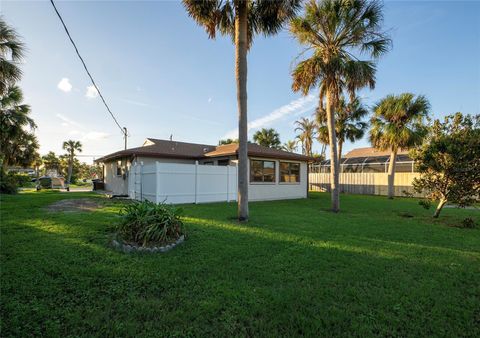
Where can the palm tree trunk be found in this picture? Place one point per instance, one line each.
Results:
(241, 48)
(332, 140)
(324, 149)
(70, 169)
(340, 148)
(391, 173)
(439, 207)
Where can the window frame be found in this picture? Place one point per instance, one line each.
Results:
(251, 181)
(289, 171)
(117, 166)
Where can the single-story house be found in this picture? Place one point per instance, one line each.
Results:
(273, 174)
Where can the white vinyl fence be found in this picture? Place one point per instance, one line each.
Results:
(182, 183)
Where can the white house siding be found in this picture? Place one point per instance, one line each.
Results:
(257, 191)
(278, 190)
(118, 185)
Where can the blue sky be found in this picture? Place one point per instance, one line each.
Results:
(161, 74)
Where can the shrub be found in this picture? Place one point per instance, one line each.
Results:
(23, 180)
(468, 223)
(8, 183)
(426, 204)
(145, 223)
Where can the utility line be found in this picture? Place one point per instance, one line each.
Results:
(122, 129)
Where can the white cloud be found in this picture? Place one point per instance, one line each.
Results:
(64, 85)
(210, 100)
(79, 131)
(135, 103)
(95, 136)
(91, 92)
(296, 107)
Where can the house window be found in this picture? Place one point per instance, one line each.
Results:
(208, 163)
(119, 168)
(262, 171)
(289, 172)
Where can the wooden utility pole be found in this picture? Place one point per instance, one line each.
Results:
(125, 136)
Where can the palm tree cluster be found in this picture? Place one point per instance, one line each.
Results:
(343, 41)
(268, 138)
(18, 144)
(336, 34)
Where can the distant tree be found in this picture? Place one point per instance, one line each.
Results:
(398, 123)
(290, 146)
(71, 147)
(227, 141)
(336, 34)
(241, 20)
(267, 138)
(449, 161)
(17, 142)
(307, 133)
(11, 53)
(349, 124)
(51, 161)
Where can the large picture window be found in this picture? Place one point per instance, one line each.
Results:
(289, 172)
(262, 171)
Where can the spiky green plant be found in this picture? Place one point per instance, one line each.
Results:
(146, 223)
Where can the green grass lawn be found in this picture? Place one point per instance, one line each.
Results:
(295, 269)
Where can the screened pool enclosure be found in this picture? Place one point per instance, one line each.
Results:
(367, 164)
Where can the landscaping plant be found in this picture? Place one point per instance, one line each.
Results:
(449, 162)
(145, 223)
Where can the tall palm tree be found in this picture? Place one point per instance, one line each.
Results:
(307, 133)
(398, 123)
(242, 19)
(14, 119)
(290, 146)
(11, 53)
(349, 124)
(337, 33)
(71, 147)
(267, 138)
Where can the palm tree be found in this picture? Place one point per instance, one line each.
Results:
(333, 31)
(11, 53)
(348, 123)
(71, 147)
(242, 19)
(267, 138)
(290, 146)
(14, 119)
(398, 123)
(307, 131)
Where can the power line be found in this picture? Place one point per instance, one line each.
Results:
(122, 129)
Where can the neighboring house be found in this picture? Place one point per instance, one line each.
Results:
(273, 174)
(368, 160)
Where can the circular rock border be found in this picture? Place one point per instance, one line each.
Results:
(130, 248)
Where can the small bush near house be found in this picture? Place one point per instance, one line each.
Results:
(146, 223)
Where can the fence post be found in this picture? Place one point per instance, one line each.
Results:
(228, 183)
(196, 181)
(157, 177)
(141, 181)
